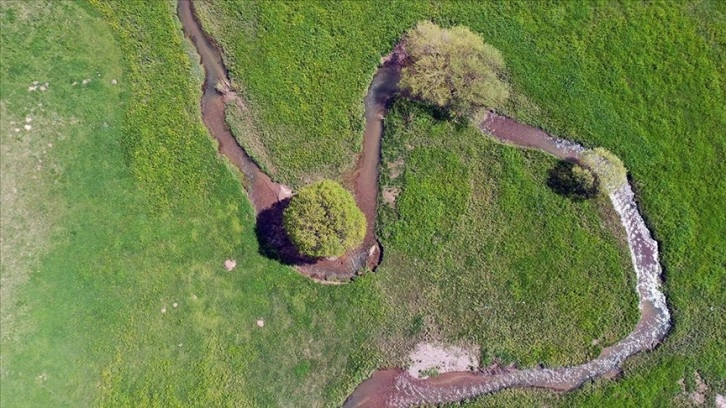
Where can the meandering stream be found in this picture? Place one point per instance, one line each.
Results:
(395, 387)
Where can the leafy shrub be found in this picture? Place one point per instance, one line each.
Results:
(584, 179)
(573, 181)
(323, 220)
(609, 169)
(454, 69)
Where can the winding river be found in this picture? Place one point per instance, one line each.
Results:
(395, 387)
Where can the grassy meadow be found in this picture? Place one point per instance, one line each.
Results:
(117, 214)
(644, 80)
(484, 252)
(130, 213)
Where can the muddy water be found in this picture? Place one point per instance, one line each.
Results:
(264, 193)
(521, 135)
(269, 198)
(395, 387)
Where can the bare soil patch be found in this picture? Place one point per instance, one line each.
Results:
(429, 359)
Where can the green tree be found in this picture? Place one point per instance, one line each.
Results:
(323, 220)
(454, 69)
(584, 180)
(609, 169)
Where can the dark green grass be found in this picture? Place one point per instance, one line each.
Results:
(305, 68)
(644, 80)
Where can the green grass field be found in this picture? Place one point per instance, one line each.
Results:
(127, 234)
(115, 206)
(483, 251)
(643, 80)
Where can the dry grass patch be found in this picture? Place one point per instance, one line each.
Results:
(27, 216)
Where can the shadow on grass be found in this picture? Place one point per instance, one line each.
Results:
(273, 239)
(562, 181)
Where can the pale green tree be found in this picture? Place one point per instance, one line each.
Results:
(453, 69)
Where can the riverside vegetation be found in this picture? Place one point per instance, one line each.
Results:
(324, 221)
(139, 214)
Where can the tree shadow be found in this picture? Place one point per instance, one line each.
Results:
(564, 182)
(274, 242)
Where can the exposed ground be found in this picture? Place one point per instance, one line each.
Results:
(429, 359)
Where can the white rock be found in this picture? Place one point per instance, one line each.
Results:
(163, 310)
(27, 127)
(175, 304)
(230, 264)
(260, 323)
(114, 82)
(720, 401)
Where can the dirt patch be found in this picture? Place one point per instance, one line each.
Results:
(429, 359)
(698, 395)
(230, 264)
(395, 168)
(390, 194)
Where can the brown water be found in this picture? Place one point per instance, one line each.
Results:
(395, 387)
(264, 193)
(269, 198)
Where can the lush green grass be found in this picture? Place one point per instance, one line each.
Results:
(131, 236)
(484, 252)
(305, 67)
(137, 213)
(644, 80)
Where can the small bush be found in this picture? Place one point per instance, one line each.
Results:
(454, 69)
(323, 220)
(609, 169)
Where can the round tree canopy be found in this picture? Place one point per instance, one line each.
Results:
(454, 69)
(323, 220)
